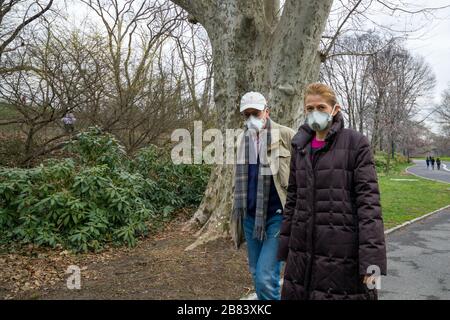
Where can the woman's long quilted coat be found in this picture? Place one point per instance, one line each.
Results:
(332, 229)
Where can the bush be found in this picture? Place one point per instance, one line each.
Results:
(97, 197)
(78, 207)
(181, 185)
(93, 147)
(381, 162)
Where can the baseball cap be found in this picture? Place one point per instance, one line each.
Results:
(254, 100)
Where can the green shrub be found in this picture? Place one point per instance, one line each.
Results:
(181, 185)
(395, 165)
(96, 197)
(92, 147)
(78, 207)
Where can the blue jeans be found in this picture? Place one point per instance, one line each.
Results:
(262, 257)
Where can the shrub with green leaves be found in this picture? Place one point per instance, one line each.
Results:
(180, 185)
(79, 207)
(93, 147)
(381, 162)
(99, 196)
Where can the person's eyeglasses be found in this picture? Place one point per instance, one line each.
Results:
(255, 113)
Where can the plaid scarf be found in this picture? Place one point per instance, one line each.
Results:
(263, 188)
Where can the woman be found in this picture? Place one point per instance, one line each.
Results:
(332, 235)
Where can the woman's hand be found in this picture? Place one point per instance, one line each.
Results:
(370, 279)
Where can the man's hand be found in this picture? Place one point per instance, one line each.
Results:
(370, 279)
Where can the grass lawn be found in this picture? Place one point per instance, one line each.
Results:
(405, 200)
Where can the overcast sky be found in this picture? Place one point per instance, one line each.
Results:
(435, 47)
(431, 39)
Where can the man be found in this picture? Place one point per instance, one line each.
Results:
(438, 163)
(261, 180)
(332, 236)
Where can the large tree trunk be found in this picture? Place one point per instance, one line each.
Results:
(255, 50)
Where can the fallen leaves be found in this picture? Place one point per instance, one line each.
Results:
(158, 268)
(35, 269)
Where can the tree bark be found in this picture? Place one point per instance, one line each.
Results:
(255, 49)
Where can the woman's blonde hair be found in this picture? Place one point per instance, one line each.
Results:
(322, 90)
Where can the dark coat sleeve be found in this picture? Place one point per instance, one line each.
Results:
(285, 231)
(372, 248)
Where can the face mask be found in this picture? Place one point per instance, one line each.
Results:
(319, 121)
(255, 123)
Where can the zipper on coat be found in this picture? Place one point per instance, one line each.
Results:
(309, 268)
(309, 271)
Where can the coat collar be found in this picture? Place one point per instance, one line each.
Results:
(305, 133)
(273, 144)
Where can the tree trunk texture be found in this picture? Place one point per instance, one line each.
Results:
(254, 49)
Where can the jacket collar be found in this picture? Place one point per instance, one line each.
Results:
(305, 133)
(274, 144)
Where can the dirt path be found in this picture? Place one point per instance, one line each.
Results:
(158, 268)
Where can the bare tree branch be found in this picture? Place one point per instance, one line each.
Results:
(338, 31)
(394, 8)
(26, 22)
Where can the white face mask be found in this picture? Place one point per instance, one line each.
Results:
(255, 123)
(319, 121)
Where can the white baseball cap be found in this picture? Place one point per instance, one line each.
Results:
(254, 100)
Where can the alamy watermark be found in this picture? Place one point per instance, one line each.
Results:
(226, 147)
(374, 281)
(74, 280)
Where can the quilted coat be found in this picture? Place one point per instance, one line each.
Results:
(332, 228)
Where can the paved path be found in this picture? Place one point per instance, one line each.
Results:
(419, 254)
(420, 169)
(419, 260)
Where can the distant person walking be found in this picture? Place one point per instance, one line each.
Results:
(428, 162)
(69, 123)
(432, 162)
(438, 163)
